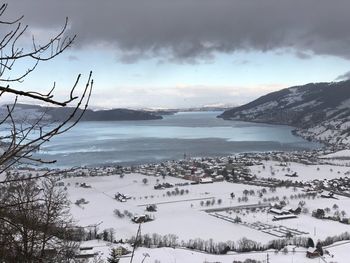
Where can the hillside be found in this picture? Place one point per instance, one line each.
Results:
(319, 110)
(59, 114)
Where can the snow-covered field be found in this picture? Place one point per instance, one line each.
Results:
(183, 211)
(272, 169)
(183, 215)
(338, 253)
(170, 255)
(339, 154)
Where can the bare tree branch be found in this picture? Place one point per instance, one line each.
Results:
(33, 212)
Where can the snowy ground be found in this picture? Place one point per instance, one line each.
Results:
(272, 169)
(170, 255)
(337, 254)
(183, 215)
(343, 154)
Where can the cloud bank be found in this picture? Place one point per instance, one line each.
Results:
(344, 76)
(195, 30)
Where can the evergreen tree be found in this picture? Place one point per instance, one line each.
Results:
(310, 242)
(113, 256)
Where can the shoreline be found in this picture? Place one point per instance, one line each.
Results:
(305, 133)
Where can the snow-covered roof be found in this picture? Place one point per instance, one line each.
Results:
(311, 249)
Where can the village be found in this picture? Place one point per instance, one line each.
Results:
(247, 202)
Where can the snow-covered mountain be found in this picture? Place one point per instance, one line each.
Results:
(319, 110)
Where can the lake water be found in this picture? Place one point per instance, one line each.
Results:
(195, 133)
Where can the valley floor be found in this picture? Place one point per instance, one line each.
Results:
(208, 211)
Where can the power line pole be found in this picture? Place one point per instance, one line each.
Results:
(135, 243)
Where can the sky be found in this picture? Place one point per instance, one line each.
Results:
(186, 53)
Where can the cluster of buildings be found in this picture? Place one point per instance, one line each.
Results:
(340, 186)
(283, 212)
(202, 170)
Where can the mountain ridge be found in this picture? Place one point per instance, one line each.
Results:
(61, 113)
(319, 111)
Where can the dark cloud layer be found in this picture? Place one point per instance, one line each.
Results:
(345, 76)
(189, 30)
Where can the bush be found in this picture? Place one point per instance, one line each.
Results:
(118, 213)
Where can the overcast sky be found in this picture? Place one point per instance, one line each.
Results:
(182, 53)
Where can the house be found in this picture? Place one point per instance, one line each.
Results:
(120, 197)
(295, 211)
(141, 219)
(121, 251)
(84, 185)
(283, 217)
(326, 194)
(279, 211)
(292, 210)
(86, 252)
(206, 180)
(312, 252)
(292, 175)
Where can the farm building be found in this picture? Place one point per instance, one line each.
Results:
(283, 217)
(312, 252)
(279, 211)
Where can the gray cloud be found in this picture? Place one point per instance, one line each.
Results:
(344, 76)
(302, 55)
(191, 30)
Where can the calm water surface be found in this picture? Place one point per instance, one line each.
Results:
(195, 133)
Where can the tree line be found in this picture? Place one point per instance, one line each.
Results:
(242, 245)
